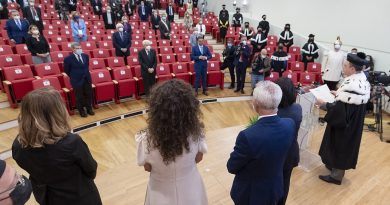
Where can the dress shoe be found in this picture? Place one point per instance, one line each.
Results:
(242, 92)
(237, 90)
(231, 86)
(83, 114)
(329, 179)
(205, 93)
(90, 111)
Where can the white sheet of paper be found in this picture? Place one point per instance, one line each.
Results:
(322, 92)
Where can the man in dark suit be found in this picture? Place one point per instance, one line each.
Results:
(121, 42)
(17, 28)
(130, 7)
(76, 66)
(229, 54)
(241, 62)
(170, 12)
(155, 19)
(22, 3)
(97, 7)
(200, 54)
(109, 18)
(260, 151)
(33, 15)
(147, 58)
(72, 5)
(165, 27)
(3, 9)
(143, 11)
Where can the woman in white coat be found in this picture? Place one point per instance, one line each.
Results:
(172, 145)
(331, 71)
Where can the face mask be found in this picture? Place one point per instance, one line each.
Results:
(108, 11)
(337, 46)
(195, 32)
(230, 44)
(16, 17)
(263, 56)
(22, 192)
(311, 40)
(35, 32)
(246, 26)
(368, 59)
(287, 28)
(280, 47)
(79, 51)
(32, 4)
(264, 18)
(126, 21)
(148, 48)
(120, 29)
(243, 42)
(258, 31)
(163, 18)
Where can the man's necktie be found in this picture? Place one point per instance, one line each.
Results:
(79, 58)
(34, 13)
(121, 35)
(19, 24)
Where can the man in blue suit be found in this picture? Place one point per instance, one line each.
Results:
(200, 54)
(143, 12)
(241, 62)
(121, 42)
(76, 66)
(17, 28)
(260, 151)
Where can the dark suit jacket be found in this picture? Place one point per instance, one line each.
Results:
(21, 3)
(77, 72)
(30, 18)
(170, 16)
(71, 7)
(19, 35)
(245, 52)
(155, 21)
(195, 54)
(164, 28)
(128, 30)
(97, 3)
(129, 7)
(105, 19)
(257, 161)
(147, 62)
(143, 17)
(60, 173)
(4, 12)
(119, 43)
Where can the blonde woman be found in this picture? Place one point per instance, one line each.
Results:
(61, 167)
(188, 22)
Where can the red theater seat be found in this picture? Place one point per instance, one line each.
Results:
(292, 75)
(274, 76)
(125, 83)
(307, 78)
(297, 66)
(138, 79)
(163, 72)
(103, 87)
(214, 75)
(180, 71)
(113, 62)
(97, 64)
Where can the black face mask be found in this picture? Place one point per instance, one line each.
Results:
(22, 192)
(311, 40)
(280, 48)
(246, 26)
(287, 28)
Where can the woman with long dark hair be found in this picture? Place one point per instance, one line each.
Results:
(172, 145)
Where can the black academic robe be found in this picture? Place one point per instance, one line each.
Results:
(309, 50)
(237, 19)
(223, 26)
(265, 26)
(229, 55)
(224, 15)
(340, 145)
(259, 41)
(279, 61)
(287, 38)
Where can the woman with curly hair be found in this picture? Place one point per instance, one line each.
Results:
(172, 145)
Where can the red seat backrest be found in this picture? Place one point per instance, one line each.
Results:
(122, 74)
(18, 73)
(10, 60)
(180, 68)
(212, 66)
(113, 62)
(100, 76)
(47, 69)
(5, 50)
(163, 69)
(47, 81)
(96, 63)
(314, 67)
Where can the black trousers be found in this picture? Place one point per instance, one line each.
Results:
(171, 18)
(332, 85)
(83, 96)
(232, 73)
(286, 185)
(241, 74)
(149, 80)
(305, 62)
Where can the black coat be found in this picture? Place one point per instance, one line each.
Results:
(61, 173)
(155, 21)
(105, 19)
(164, 28)
(119, 43)
(147, 62)
(30, 17)
(130, 7)
(265, 26)
(98, 4)
(4, 12)
(340, 145)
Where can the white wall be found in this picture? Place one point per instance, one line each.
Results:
(361, 24)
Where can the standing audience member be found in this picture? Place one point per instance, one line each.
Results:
(229, 54)
(195, 3)
(76, 66)
(200, 54)
(203, 10)
(38, 46)
(143, 12)
(194, 37)
(259, 41)
(260, 151)
(127, 27)
(17, 28)
(170, 12)
(155, 19)
(260, 68)
(237, 19)
(188, 22)
(33, 15)
(61, 167)
(147, 58)
(201, 28)
(223, 23)
(224, 14)
(130, 7)
(3, 9)
(79, 29)
(72, 5)
(332, 71)
(121, 42)
(97, 7)
(246, 31)
(340, 145)
(289, 109)
(165, 27)
(170, 151)
(241, 62)
(264, 25)
(117, 9)
(189, 7)
(109, 18)
(15, 189)
(279, 60)
(286, 37)
(309, 51)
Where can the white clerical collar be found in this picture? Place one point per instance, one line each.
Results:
(264, 116)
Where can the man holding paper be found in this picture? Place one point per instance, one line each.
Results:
(345, 119)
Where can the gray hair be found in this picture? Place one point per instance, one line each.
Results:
(146, 43)
(118, 25)
(267, 95)
(74, 44)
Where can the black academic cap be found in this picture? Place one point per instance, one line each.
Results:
(237, 8)
(357, 59)
(223, 5)
(287, 24)
(263, 16)
(311, 36)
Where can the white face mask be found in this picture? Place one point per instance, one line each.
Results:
(35, 32)
(337, 46)
(32, 4)
(120, 29)
(148, 48)
(244, 42)
(125, 21)
(16, 17)
(263, 56)
(79, 51)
